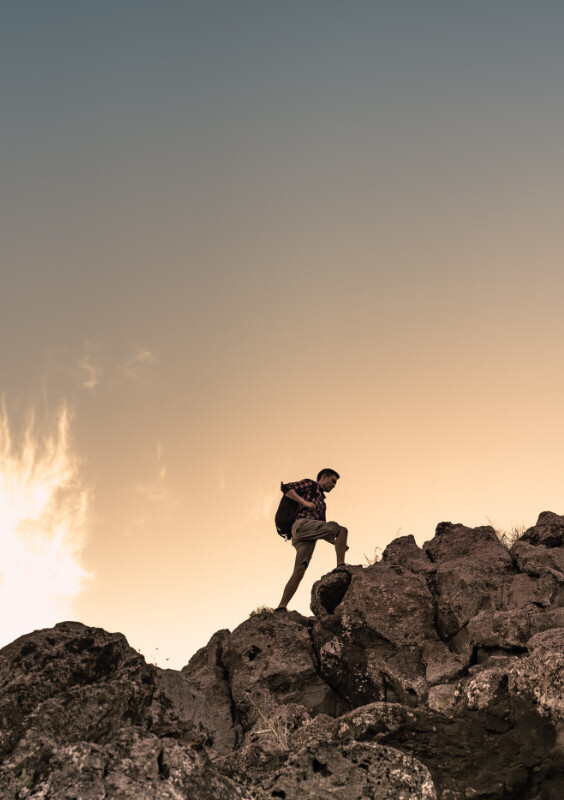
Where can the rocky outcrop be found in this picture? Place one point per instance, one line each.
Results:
(437, 672)
(83, 716)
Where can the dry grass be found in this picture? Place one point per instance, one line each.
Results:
(261, 610)
(508, 537)
(375, 558)
(277, 728)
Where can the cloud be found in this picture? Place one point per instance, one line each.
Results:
(264, 506)
(154, 496)
(44, 518)
(134, 368)
(89, 367)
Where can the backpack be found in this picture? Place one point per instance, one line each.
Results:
(286, 515)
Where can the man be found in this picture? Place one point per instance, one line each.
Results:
(310, 525)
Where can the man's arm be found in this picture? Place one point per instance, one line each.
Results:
(293, 495)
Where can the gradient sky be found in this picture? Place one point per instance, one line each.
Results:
(245, 240)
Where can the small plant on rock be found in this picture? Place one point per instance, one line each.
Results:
(508, 537)
(276, 729)
(375, 558)
(261, 610)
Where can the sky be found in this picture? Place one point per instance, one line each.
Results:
(242, 241)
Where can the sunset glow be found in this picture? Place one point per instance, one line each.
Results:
(43, 518)
(244, 241)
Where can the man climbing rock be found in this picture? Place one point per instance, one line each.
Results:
(310, 525)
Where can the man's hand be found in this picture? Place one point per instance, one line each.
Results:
(293, 495)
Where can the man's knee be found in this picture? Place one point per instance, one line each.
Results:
(343, 532)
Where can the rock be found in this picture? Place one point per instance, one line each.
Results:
(442, 698)
(441, 664)
(133, 765)
(347, 772)
(73, 682)
(200, 696)
(511, 630)
(392, 603)
(539, 678)
(270, 661)
(328, 593)
(406, 553)
(523, 590)
(77, 706)
(437, 671)
(549, 531)
(540, 560)
(500, 751)
(369, 648)
(472, 567)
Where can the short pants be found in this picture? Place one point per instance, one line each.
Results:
(306, 532)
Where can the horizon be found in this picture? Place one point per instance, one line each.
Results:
(245, 241)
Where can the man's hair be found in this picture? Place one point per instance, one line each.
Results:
(327, 471)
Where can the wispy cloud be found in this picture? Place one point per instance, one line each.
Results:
(155, 499)
(264, 506)
(135, 367)
(90, 367)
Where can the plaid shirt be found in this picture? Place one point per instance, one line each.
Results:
(312, 492)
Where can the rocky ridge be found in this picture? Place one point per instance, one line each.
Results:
(437, 672)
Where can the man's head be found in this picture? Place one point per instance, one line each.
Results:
(327, 479)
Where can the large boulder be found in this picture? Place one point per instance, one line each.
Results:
(370, 647)
(539, 678)
(472, 567)
(82, 716)
(549, 531)
(71, 683)
(270, 661)
(406, 552)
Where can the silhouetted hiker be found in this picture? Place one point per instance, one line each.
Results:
(310, 525)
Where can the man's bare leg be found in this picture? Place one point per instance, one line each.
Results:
(341, 546)
(292, 585)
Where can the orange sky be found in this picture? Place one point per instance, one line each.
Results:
(243, 242)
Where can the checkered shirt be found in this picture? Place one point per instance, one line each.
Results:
(312, 492)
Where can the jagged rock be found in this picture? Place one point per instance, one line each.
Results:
(132, 765)
(407, 553)
(441, 663)
(328, 593)
(198, 695)
(511, 630)
(77, 709)
(270, 661)
(344, 771)
(472, 566)
(352, 771)
(71, 681)
(539, 678)
(392, 602)
(549, 531)
(523, 590)
(498, 752)
(369, 648)
(447, 659)
(539, 560)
